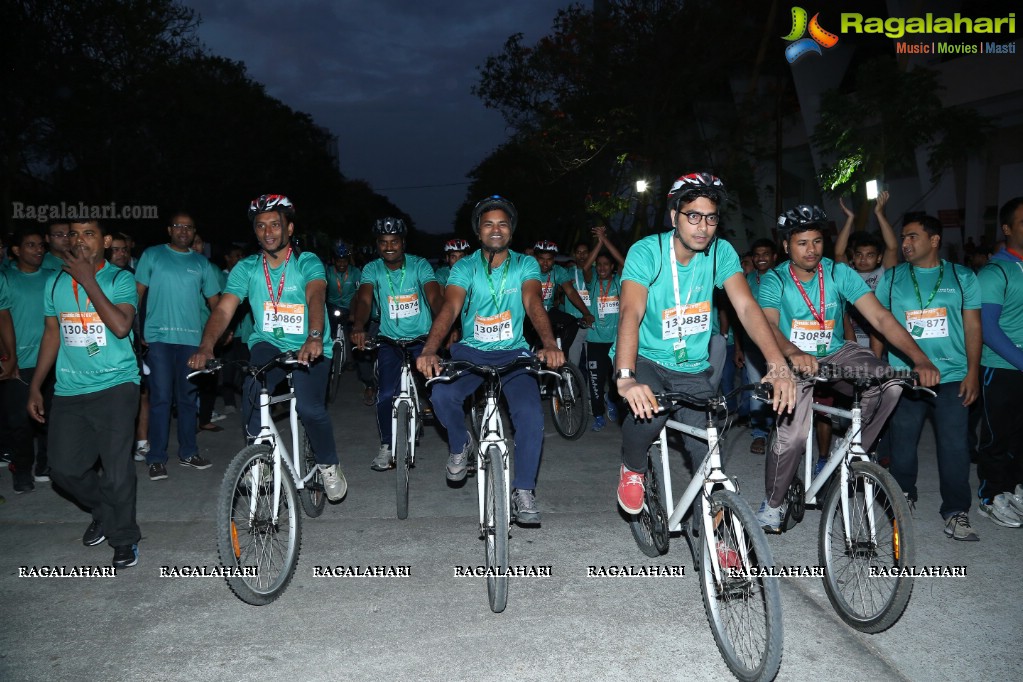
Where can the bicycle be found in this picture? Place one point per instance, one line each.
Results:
(492, 483)
(406, 418)
(741, 599)
(342, 352)
(257, 523)
(570, 400)
(866, 523)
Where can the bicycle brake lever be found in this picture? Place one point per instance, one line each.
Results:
(764, 392)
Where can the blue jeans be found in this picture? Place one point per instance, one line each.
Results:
(168, 370)
(389, 381)
(523, 395)
(949, 418)
(310, 385)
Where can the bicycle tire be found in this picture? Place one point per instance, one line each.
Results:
(867, 601)
(273, 549)
(569, 407)
(650, 526)
(495, 529)
(744, 612)
(402, 452)
(313, 495)
(336, 368)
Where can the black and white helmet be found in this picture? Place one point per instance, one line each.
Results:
(802, 217)
(494, 202)
(389, 226)
(271, 202)
(693, 185)
(545, 245)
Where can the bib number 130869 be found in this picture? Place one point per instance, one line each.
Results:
(289, 318)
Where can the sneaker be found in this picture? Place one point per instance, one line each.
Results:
(157, 471)
(126, 556)
(631, 490)
(612, 409)
(819, 466)
(93, 534)
(23, 483)
(196, 462)
(728, 557)
(5, 457)
(384, 460)
(524, 508)
(958, 527)
(758, 446)
(999, 511)
(458, 464)
(334, 483)
(43, 476)
(598, 423)
(141, 451)
(769, 518)
(217, 416)
(1015, 500)
(369, 396)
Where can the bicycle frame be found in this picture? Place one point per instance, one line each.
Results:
(408, 394)
(491, 434)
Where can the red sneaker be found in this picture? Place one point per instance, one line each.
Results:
(728, 557)
(630, 491)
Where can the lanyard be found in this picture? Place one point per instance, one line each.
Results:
(280, 284)
(600, 284)
(674, 281)
(390, 284)
(340, 282)
(577, 284)
(490, 282)
(806, 299)
(1013, 252)
(74, 287)
(916, 287)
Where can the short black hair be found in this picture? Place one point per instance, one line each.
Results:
(763, 242)
(1008, 208)
(18, 237)
(86, 221)
(932, 226)
(861, 240)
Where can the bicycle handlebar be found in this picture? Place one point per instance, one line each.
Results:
(288, 359)
(403, 344)
(456, 368)
(762, 391)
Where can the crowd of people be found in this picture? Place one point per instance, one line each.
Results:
(96, 345)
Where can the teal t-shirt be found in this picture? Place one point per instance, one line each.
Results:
(578, 279)
(175, 281)
(550, 282)
(26, 290)
(1001, 283)
(662, 326)
(493, 313)
(401, 296)
(51, 262)
(286, 325)
(604, 298)
(841, 285)
(204, 306)
(938, 328)
(112, 362)
(442, 274)
(341, 287)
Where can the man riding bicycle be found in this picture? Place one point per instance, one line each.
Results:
(287, 293)
(495, 292)
(664, 324)
(454, 251)
(552, 278)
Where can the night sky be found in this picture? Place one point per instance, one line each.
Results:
(390, 78)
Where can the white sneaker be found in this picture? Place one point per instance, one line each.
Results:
(1000, 511)
(1015, 500)
(383, 460)
(770, 518)
(216, 417)
(141, 451)
(334, 483)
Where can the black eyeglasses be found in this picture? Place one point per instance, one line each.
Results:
(694, 218)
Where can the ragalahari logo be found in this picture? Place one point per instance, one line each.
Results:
(800, 46)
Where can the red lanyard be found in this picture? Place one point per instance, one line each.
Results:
(337, 281)
(820, 282)
(280, 285)
(604, 292)
(1013, 252)
(74, 287)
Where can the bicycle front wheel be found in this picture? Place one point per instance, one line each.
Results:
(495, 529)
(313, 496)
(863, 571)
(650, 526)
(403, 439)
(337, 364)
(743, 607)
(252, 535)
(569, 400)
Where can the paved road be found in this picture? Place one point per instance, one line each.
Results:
(432, 625)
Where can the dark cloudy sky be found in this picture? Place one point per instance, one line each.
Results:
(390, 78)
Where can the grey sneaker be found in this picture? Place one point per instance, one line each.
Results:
(999, 511)
(958, 527)
(384, 460)
(770, 518)
(524, 508)
(1015, 500)
(334, 483)
(458, 464)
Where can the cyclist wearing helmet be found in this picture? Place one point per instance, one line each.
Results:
(406, 291)
(342, 278)
(494, 292)
(287, 292)
(454, 251)
(553, 277)
(805, 300)
(664, 324)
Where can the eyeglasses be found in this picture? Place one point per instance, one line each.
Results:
(694, 218)
(182, 226)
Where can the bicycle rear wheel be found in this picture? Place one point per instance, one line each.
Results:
(313, 496)
(650, 526)
(569, 401)
(403, 438)
(858, 568)
(248, 537)
(495, 529)
(744, 611)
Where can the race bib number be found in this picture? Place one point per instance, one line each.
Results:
(607, 305)
(81, 330)
(289, 318)
(548, 290)
(404, 305)
(807, 336)
(495, 328)
(585, 296)
(927, 324)
(690, 319)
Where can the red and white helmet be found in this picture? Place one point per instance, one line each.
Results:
(271, 202)
(545, 245)
(456, 245)
(692, 185)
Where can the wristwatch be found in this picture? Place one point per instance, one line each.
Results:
(624, 374)
(316, 334)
